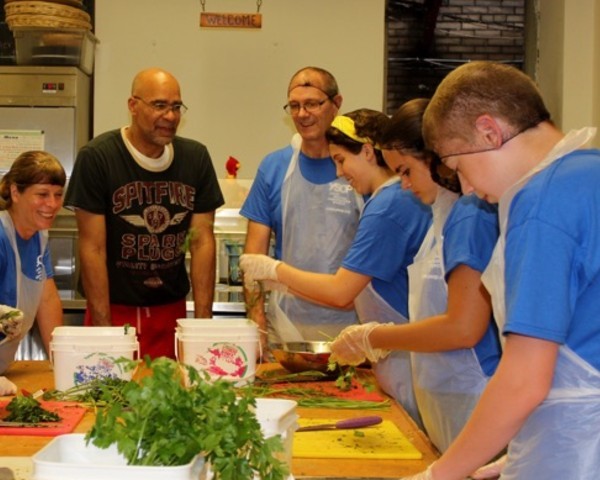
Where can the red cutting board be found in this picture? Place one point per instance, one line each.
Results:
(325, 387)
(70, 413)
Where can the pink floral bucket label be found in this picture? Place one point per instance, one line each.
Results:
(224, 359)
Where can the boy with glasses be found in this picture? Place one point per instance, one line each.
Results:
(488, 122)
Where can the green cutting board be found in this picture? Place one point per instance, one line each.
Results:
(383, 441)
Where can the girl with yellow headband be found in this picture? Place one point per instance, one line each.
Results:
(373, 276)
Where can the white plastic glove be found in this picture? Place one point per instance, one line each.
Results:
(7, 387)
(352, 346)
(258, 267)
(426, 475)
(491, 470)
(11, 323)
(272, 285)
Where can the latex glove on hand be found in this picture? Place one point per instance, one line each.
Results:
(272, 285)
(426, 475)
(7, 387)
(257, 266)
(491, 470)
(11, 323)
(352, 346)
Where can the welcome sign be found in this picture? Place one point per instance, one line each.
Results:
(230, 20)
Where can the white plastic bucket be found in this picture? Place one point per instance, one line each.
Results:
(94, 335)
(223, 348)
(212, 325)
(82, 354)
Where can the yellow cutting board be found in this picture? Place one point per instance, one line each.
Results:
(383, 441)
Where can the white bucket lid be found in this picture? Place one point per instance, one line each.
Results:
(222, 323)
(94, 347)
(85, 331)
(217, 338)
(93, 335)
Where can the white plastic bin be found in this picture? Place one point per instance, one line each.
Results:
(81, 354)
(278, 417)
(223, 348)
(67, 457)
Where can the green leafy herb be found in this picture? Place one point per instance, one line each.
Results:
(253, 295)
(310, 397)
(10, 314)
(10, 323)
(99, 392)
(346, 376)
(27, 409)
(187, 242)
(160, 421)
(306, 376)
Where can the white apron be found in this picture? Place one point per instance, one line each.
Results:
(560, 438)
(319, 223)
(29, 292)
(448, 384)
(393, 373)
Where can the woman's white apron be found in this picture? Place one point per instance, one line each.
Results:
(393, 373)
(447, 384)
(29, 292)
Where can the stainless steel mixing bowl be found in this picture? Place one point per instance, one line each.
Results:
(303, 356)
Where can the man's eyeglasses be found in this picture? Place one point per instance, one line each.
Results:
(311, 106)
(443, 158)
(162, 108)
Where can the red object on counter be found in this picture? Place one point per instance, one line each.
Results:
(325, 387)
(356, 392)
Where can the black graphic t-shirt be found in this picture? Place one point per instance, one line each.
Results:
(147, 214)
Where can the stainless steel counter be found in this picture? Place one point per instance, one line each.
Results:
(229, 300)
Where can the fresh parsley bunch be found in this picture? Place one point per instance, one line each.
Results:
(159, 421)
(27, 409)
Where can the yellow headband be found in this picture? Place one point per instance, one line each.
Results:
(346, 126)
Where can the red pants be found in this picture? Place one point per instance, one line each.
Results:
(155, 326)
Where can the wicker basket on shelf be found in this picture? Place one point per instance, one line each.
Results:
(46, 14)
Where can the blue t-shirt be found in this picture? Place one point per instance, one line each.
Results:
(470, 235)
(389, 234)
(552, 269)
(263, 204)
(30, 255)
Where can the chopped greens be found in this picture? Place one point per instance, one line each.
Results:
(346, 376)
(27, 409)
(11, 323)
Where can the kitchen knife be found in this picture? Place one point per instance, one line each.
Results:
(357, 422)
(28, 425)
